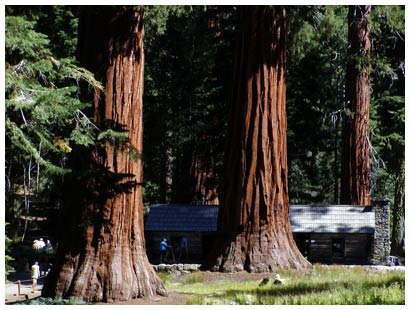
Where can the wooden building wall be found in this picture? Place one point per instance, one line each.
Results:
(321, 248)
(198, 244)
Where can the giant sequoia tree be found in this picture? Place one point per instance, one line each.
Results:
(102, 255)
(356, 182)
(254, 227)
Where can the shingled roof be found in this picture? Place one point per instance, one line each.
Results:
(331, 219)
(303, 218)
(199, 218)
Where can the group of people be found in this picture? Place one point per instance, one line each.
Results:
(39, 245)
(166, 249)
(43, 248)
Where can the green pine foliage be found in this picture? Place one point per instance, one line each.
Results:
(315, 100)
(315, 84)
(7, 243)
(42, 106)
(387, 118)
(44, 116)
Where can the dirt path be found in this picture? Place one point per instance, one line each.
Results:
(11, 292)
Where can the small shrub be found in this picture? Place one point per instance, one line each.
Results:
(57, 301)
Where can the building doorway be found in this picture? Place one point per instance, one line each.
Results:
(303, 244)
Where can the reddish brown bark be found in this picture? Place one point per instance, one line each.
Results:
(355, 181)
(255, 233)
(205, 179)
(103, 256)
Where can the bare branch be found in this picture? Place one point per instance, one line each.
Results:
(88, 120)
(22, 115)
(20, 65)
(38, 169)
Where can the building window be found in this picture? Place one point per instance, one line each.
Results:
(338, 247)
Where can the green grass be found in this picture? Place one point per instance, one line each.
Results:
(165, 277)
(325, 285)
(193, 278)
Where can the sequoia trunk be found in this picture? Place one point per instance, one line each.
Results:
(355, 181)
(102, 256)
(205, 178)
(254, 228)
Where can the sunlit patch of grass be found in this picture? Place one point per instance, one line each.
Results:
(324, 285)
(165, 277)
(193, 278)
(195, 300)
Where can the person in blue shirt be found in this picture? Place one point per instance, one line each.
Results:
(163, 246)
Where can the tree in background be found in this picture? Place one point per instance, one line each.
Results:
(355, 177)
(187, 78)
(387, 113)
(102, 254)
(316, 53)
(254, 229)
(43, 119)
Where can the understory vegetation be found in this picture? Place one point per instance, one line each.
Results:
(323, 286)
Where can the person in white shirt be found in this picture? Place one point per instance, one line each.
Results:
(35, 274)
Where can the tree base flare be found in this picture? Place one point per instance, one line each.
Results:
(101, 284)
(257, 257)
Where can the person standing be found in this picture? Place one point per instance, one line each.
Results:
(183, 247)
(163, 246)
(35, 274)
(48, 246)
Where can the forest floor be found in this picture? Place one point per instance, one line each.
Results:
(322, 285)
(11, 288)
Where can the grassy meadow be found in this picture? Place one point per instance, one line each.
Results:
(324, 285)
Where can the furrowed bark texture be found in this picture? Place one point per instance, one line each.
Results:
(103, 255)
(356, 182)
(205, 179)
(254, 226)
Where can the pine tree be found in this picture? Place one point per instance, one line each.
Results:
(43, 117)
(387, 114)
(317, 38)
